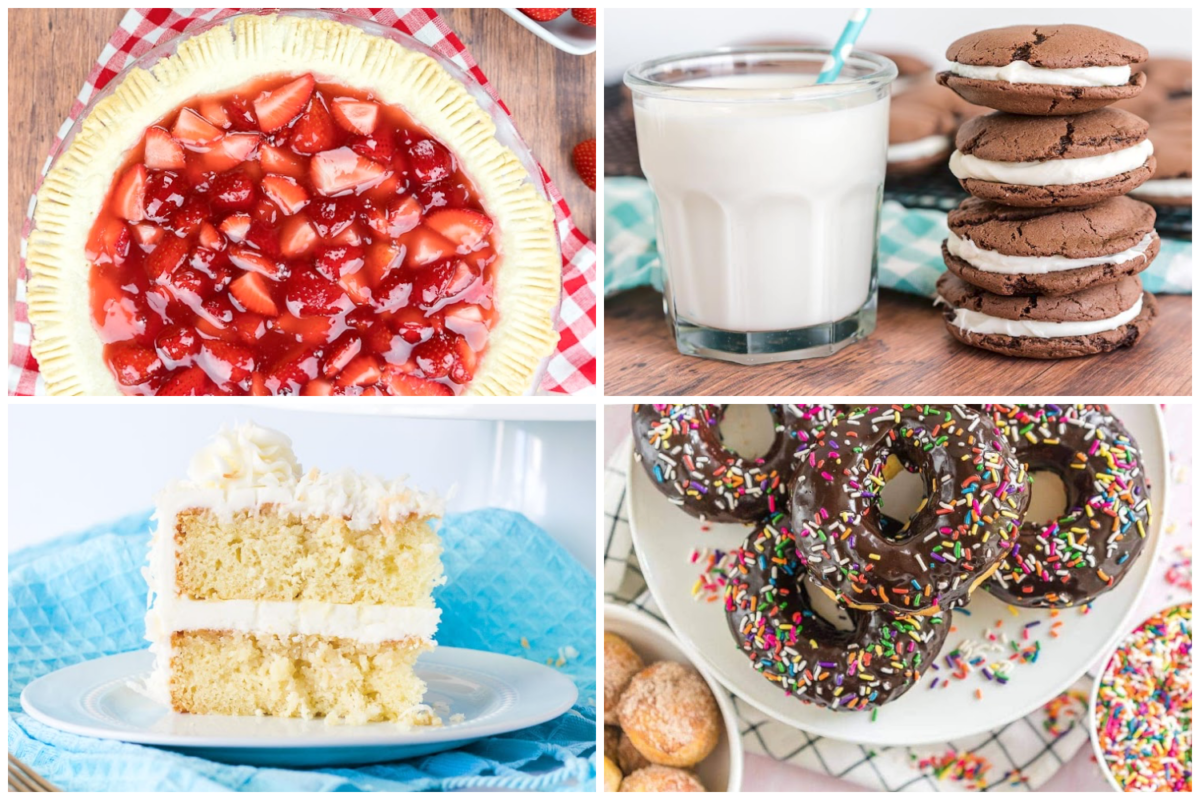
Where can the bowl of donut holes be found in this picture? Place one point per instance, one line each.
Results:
(668, 727)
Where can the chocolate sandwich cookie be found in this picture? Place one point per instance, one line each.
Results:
(911, 71)
(1044, 70)
(1095, 320)
(1038, 162)
(1177, 110)
(1171, 183)
(920, 136)
(1049, 251)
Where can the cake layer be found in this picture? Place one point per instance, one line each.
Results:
(261, 555)
(230, 672)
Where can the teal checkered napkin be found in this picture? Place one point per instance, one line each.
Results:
(910, 246)
(510, 589)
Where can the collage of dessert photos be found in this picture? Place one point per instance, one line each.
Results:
(850, 410)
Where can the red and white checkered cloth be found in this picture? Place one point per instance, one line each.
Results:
(572, 368)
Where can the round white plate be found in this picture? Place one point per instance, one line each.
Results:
(495, 693)
(565, 32)
(507, 411)
(665, 537)
(653, 641)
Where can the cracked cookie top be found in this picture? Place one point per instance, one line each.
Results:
(1011, 137)
(1046, 46)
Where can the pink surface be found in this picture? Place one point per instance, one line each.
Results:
(1081, 773)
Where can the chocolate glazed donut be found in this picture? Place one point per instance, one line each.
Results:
(769, 613)
(681, 450)
(1089, 549)
(976, 495)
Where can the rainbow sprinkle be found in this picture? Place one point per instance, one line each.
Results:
(1144, 705)
(969, 768)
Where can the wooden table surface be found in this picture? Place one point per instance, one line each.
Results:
(551, 94)
(910, 352)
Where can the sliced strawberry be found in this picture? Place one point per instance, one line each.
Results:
(195, 132)
(110, 243)
(162, 152)
(234, 149)
(331, 217)
(362, 371)
(217, 311)
(340, 353)
(253, 291)
(176, 345)
(129, 197)
(165, 193)
(463, 227)
(249, 259)
(190, 285)
(357, 287)
(426, 246)
(441, 280)
(210, 237)
(395, 291)
(333, 261)
(314, 132)
(190, 382)
(443, 194)
(188, 219)
(258, 385)
(146, 233)
(401, 384)
(250, 327)
(463, 369)
(282, 161)
(403, 214)
(436, 355)
(285, 193)
(310, 330)
(296, 236)
(167, 256)
(307, 294)
(411, 324)
(382, 258)
(380, 146)
(356, 116)
(276, 109)
(226, 363)
(360, 318)
(317, 388)
(214, 112)
(133, 364)
(431, 161)
(236, 226)
(290, 372)
(341, 171)
(264, 237)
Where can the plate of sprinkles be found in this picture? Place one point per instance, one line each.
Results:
(998, 663)
(1142, 707)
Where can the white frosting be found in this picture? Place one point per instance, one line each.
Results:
(247, 467)
(1024, 72)
(920, 148)
(991, 261)
(1055, 172)
(1166, 187)
(976, 322)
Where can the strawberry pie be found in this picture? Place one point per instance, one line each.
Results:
(290, 205)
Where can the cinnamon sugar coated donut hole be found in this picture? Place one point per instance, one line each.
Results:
(629, 758)
(656, 778)
(670, 715)
(612, 776)
(620, 665)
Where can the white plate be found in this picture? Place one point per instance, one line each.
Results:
(653, 641)
(513, 411)
(665, 537)
(566, 33)
(495, 693)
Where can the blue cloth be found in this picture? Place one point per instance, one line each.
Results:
(910, 246)
(83, 596)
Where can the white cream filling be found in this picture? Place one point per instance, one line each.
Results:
(976, 322)
(1024, 72)
(991, 261)
(1055, 172)
(370, 624)
(1166, 187)
(921, 148)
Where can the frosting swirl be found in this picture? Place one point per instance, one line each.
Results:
(245, 457)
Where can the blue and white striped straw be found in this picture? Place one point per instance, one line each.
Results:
(833, 64)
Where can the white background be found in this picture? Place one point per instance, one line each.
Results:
(72, 465)
(632, 35)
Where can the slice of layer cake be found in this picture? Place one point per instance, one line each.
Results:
(278, 593)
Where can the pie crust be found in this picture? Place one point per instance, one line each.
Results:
(527, 281)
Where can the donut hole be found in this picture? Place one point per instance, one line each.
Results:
(747, 429)
(1047, 498)
(903, 496)
(828, 609)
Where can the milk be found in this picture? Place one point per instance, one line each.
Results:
(768, 200)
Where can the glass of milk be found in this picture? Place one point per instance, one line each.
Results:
(768, 188)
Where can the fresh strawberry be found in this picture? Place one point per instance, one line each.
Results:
(333, 261)
(232, 191)
(394, 291)
(587, 16)
(431, 162)
(253, 291)
(188, 219)
(217, 311)
(436, 355)
(226, 363)
(290, 372)
(282, 161)
(168, 255)
(176, 345)
(340, 353)
(244, 257)
(314, 132)
(379, 146)
(363, 370)
(444, 194)
(128, 199)
(214, 112)
(110, 243)
(318, 388)
(232, 150)
(250, 327)
(133, 364)
(262, 236)
(356, 116)
(542, 14)
(145, 233)
(584, 159)
(189, 285)
(285, 193)
(165, 192)
(296, 236)
(308, 293)
(195, 132)
(331, 217)
(210, 237)
(235, 227)
(411, 324)
(465, 228)
(399, 383)
(309, 330)
(340, 171)
(163, 152)
(276, 109)
(426, 246)
(190, 382)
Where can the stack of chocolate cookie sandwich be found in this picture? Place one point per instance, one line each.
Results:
(1044, 258)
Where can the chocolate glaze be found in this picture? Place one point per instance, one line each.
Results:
(769, 614)
(976, 495)
(1091, 546)
(681, 450)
